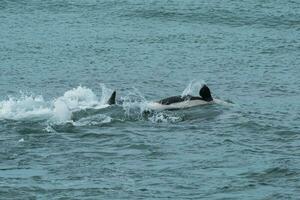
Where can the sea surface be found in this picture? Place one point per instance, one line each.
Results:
(60, 60)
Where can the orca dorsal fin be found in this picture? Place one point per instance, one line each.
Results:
(205, 93)
(112, 99)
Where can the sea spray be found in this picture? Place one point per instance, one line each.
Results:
(193, 88)
(61, 112)
(58, 110)
(24, 107)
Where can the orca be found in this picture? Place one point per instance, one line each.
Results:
(176, 102)
(180, 102)
(112, 99)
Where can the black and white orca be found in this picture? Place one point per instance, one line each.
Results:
(187, 101)
(176, 102)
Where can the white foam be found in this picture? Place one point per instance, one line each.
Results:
(21, 140)
(93, 120)
(79, 98)
(164, 118)
(133, 103)
(61, 112)
(49, 129)
(58, 110)
(24, 107)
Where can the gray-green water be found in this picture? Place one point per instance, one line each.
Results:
(58, 141)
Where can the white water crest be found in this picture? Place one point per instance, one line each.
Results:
(24, 107)
(58, 110)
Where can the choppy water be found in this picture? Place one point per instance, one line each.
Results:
(60, 60)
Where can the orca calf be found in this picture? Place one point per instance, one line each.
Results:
(187, 101)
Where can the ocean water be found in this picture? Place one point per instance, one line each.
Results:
(61, 59)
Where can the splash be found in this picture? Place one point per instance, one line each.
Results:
(80, 106)
(134, 104)
(79, 98)
(106, 93)
(193, 88)
(24, 107)
(58, 110)
(61, 111)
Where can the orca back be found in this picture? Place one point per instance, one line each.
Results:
(205, 93)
